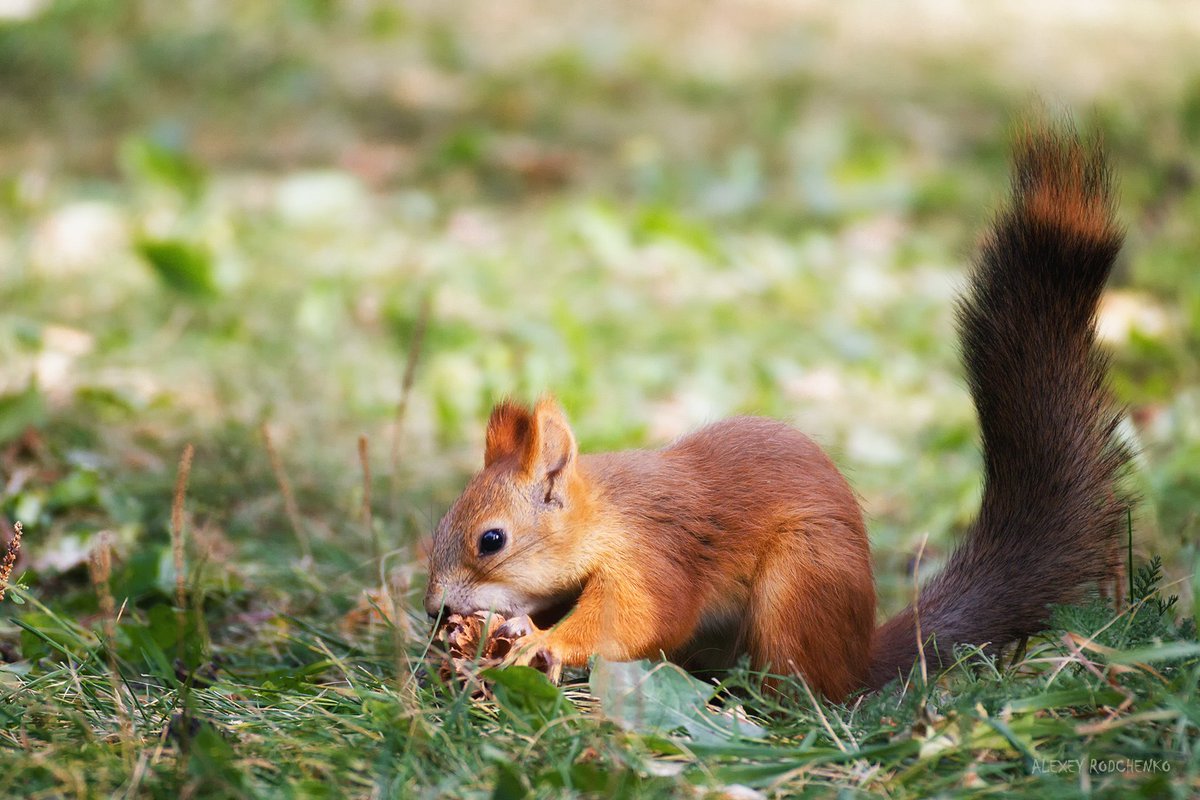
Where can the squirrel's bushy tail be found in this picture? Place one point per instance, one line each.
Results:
(1051, 515)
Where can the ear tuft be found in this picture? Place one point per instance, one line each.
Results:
(508, 432)
(552, 450)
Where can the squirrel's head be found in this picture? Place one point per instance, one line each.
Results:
(508, 543)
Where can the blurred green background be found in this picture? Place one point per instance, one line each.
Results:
(215, 216)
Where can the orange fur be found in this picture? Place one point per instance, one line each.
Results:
(1067, 187)
(744, 529)
(507, 428)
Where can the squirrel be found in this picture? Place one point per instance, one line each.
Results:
(744, 538)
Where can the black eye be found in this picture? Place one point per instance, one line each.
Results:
(491, 541)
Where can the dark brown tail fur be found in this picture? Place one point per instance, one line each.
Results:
(1051, 513)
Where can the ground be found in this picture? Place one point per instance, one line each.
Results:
(285, 232)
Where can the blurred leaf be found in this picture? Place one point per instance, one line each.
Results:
(661, 222)
(155, 162)
(1081, 696)
(384, 21)
(657, 699)
(27, 506)
(527, 694)
(509, 785)
(156, 641)
(106, 400)
(28, 334)
(464, 148)
(44, 634)
(214, 762)
(443, 47)
(184, 267)
(141, 573)
(1167, 651)
(321, 11)
(145, 642)
(63, 552)
(20, 411)
(1196, 587)
(1189, 112)
(1177, 493)
(79, 487)
(590, 777)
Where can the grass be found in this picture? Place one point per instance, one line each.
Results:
(316, 241)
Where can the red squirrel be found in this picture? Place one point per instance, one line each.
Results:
(743, 537)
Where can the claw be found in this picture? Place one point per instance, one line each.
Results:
(545, 661)
(517, 628)
(527, 647)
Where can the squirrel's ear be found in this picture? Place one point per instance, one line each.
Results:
(551, 451)
(508, 432)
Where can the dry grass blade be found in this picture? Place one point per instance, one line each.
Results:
(177, 542)
(289, 498)
(406, 384)
(397, 590)
(1073, 644)
(364, 460)
(916, 606)
(100, 567)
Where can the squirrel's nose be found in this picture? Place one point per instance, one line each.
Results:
(435, 605)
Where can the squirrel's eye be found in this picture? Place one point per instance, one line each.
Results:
(491, 541)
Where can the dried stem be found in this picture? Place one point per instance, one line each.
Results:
(916, 606)
(100, 566)
(178, 547)
(10, 558)
(177, 540)
(289, 498)
(406, 384)
(364, 460)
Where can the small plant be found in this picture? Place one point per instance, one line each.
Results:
(1146, 587)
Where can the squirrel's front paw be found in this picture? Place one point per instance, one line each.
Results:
(530, 647)
(517, 628)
